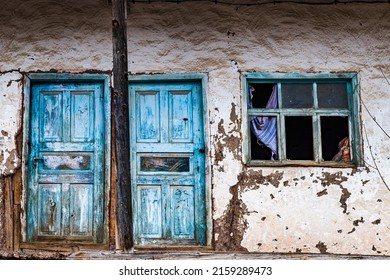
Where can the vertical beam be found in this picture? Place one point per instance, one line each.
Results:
(121, 124)
(2, 216)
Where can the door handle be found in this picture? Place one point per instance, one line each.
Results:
(35, 159)
(201, 151)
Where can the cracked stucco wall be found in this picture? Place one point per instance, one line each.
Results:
(11, 88)
(256, 209)
(11, 95)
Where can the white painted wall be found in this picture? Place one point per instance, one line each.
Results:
(225, 41)
(10, 120)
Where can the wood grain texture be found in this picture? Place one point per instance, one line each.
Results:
(66, 175)
(121, 123)
(168, 173)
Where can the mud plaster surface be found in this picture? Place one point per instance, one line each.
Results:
(10, 120)
(224, 42)
(231, 227)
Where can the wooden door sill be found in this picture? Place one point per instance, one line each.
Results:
(172, 248)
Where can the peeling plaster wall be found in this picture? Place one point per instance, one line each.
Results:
(281, 209)
(11, 95)
(41, 36)
(10, 120)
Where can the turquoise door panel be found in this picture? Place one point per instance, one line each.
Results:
(148, 115)
(151, 216)
(50, 118)
(180, 116)
(66, 176)
(49, 201)
(81, 117)
(182, 211)
(167, 144)
(81, 200)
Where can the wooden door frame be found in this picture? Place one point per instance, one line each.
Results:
(31, 78)
(201, 78)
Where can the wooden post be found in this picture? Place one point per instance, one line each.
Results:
(121, 124)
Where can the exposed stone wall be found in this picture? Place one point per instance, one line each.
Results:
(256, 209)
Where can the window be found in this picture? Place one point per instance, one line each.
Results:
(301, 119)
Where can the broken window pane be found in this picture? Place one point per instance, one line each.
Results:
(66, 162)
(165, 164)
(297, 96)
(259, 96)
(313, 121)
(335, 138)
(264, 140)
(299, 137)
(332, 95)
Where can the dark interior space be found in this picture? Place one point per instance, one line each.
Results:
(299, 138)
(259, 151)
(333, 130)
(261, 95)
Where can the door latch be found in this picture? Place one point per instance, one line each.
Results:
(35, 159)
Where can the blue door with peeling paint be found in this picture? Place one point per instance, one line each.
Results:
(65, 164)
(167, 162)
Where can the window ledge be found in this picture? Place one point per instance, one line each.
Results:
(301, 163)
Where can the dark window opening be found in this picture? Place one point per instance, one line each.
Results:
(261, 94)
(335, 138)
(259, 151)
(299, 138)
(307, 119)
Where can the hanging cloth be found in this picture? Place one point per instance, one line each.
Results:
(264, 128)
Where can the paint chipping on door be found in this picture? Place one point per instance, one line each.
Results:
(168, 163)
(65, 180)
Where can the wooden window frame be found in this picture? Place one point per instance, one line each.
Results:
(352, 82)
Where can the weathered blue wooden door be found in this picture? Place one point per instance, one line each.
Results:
(167, 153)
(66, 163)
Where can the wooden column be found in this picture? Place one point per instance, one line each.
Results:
(121, 125)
